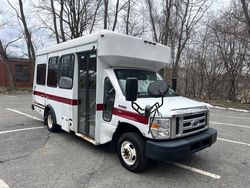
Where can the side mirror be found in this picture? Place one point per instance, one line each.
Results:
(131, 89)
(65, 83)
(158, 88)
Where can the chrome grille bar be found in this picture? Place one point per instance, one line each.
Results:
(187, 124)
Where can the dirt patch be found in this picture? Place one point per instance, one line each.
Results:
(4, 90)
(228, 104)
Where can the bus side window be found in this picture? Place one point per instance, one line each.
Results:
(52, 72)
(66, 71)
(41, 74)
(108, 99)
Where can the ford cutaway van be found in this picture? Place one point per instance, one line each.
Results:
(105, 87)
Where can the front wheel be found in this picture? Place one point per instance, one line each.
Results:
(131, 152)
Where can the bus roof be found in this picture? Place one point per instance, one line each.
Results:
(120, 50)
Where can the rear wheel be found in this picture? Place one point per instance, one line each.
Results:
(131, 152)
(51, 122)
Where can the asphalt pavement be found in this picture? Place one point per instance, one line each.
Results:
(31, 156)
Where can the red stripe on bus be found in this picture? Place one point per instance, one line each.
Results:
(125, 114)
(57, 98)
(99, 107)
(130, 115)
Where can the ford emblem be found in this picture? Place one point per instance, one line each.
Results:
(194, 123)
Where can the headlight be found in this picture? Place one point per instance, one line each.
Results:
(161, 128)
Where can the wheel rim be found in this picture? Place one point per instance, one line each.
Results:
(50, 121)
(128, 152)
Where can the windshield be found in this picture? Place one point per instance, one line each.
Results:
(145, 78)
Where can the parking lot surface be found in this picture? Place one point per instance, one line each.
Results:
(30, 156)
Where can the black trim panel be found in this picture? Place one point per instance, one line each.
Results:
(39, 105)
(178, 149)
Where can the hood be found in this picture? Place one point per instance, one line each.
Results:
(172, 105)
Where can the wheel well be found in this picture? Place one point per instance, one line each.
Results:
(121, 129)
(46, 110)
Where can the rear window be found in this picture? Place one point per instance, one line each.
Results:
(52, 72)
(67, 69)
(41, 74)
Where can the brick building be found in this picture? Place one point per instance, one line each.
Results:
(22, 71)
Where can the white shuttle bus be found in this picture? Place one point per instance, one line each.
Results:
(105, 88)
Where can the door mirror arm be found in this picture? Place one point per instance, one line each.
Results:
(156, 89)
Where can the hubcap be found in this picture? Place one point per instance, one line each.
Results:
(50, 121)
(128, 152)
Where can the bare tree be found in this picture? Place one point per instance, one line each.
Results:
(128, 16)
(54, 20)
(27, 33)
(95, 14)
(3, 24)
(116, 14)
(106, 7)
(5, 58)
(61, 20)
(216, 64)
(21, 16)
(246, 13)
(76, 18)
(167, 28)
(150, 7)
(177, 25)
(233, 54)
(188, 15)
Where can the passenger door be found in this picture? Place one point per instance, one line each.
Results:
(87, 93)
(39, 85)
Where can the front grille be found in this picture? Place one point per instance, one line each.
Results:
(193, 129)
(189, 123)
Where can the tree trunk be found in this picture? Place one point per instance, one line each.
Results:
(116, 15)
(246, 13)
(10, 73)
(186, 82)
(30, 47)
(54, 21)
(167, 22)
(201, 78)
(61, 21)
(94, 19)
(127, 20)
(10, 76)
(106, 3)
(152, 20)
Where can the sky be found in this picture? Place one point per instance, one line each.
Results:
(221, 4)
(12, 29)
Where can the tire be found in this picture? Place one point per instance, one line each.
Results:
(131, 152)
(51, 122)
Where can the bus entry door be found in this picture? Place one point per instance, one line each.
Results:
(87, 93)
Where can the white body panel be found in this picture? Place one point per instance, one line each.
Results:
(113, 50)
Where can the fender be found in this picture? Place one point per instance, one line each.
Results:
(48, 108)
(122, 128)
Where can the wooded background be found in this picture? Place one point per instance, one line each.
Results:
(210, 47)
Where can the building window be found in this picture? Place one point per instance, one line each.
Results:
(66, 71)
(22, 73)
(41, 74)
(52, 72)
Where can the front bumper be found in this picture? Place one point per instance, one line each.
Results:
(180, 148)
